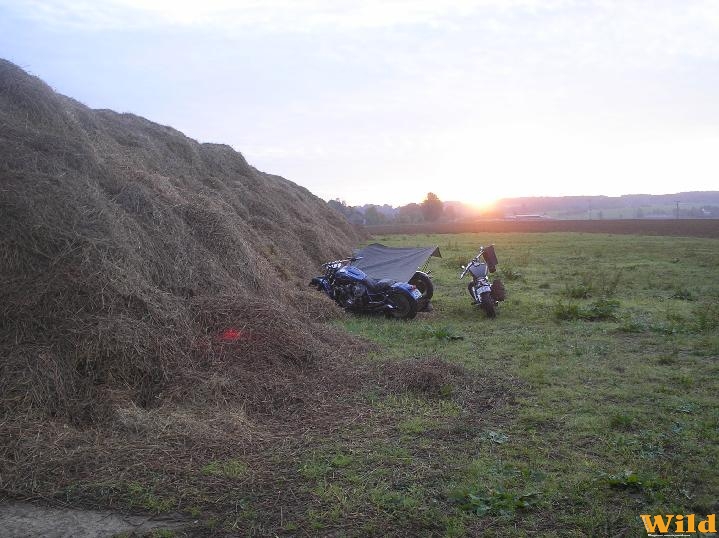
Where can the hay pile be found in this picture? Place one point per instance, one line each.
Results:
(141, 269)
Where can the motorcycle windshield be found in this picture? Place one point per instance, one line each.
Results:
(478, 271)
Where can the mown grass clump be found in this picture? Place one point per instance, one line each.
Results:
(599, 310)
(498, 502)
(510, 272)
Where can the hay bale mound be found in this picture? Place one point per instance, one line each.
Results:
(136, 264)
(430, 377)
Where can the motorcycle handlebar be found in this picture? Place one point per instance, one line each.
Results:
(473, 260)
(476, 259)
(343, 261)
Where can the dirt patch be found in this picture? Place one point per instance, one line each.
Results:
(433, 377)
(21, 520)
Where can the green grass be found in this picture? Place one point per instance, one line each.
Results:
(613, 341)
(590, 399)
(228, 469)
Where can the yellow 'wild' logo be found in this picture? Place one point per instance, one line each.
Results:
(682, 523)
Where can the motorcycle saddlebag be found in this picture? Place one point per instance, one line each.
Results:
(491, 258)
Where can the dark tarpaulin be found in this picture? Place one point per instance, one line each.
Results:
(397, 263)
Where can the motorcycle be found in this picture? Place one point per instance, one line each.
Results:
(486, 293)
(353, 290)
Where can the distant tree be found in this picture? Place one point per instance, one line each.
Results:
(341, 206)
(373, 216)
(409, 213)
(450, 213)
(639, 213)
(432, 207)
(350, 213)
(601, 214)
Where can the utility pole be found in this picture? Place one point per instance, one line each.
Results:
(677, 202)
(589, 210)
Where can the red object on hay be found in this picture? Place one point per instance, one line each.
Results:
(231, 335)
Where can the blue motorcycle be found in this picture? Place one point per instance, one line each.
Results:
(353, 290)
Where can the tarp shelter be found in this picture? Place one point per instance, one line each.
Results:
(397, 263)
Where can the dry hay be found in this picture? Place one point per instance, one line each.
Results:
(431, 377)
(127, 253)
(434, 378)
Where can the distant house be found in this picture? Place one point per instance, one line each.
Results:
(529, 217)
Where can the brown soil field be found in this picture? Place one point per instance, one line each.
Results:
(669, 227)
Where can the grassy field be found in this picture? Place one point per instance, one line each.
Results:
(589, 400)
(600, 376)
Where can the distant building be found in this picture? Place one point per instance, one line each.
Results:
(530, 217)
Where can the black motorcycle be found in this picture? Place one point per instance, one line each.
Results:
(486, 293)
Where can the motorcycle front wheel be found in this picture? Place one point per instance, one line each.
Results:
(404, 307)
(487, 304)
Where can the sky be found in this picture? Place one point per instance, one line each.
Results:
(383, 101)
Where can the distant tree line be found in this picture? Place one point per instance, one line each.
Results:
(431, 209)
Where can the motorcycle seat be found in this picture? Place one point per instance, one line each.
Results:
(379, 285)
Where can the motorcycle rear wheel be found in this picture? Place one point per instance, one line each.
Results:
(498, 290)
(423, 284)
(405, 308)
(487, 304)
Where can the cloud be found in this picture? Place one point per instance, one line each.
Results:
(268, 15)
(606, 32)
(390, 90)
(271, 15)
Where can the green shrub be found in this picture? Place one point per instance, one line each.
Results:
(631, 480)
(599, 310)
(579, 291)
(602, 309)
(445, 332)
(495, 502)
(509, 272)
(566, 311)
(609, 284)
(683, 294)
(633, 325)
